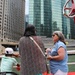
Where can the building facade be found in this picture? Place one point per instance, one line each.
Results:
(72, 28)
(11, 19)
(39, 15)
(47, 16)
(59, 21)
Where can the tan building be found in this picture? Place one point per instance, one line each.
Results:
(12, 14)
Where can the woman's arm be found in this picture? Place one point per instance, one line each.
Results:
(16, 54)
(60, 56)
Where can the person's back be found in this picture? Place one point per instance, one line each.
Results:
(7, 64)
(32, 60)
(7, 61)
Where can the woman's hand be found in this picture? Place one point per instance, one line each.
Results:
(49, 57)
(47, 51)
(60, 56)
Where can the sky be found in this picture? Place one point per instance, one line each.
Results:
(27, 7)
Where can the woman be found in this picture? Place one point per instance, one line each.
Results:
(32, 60)
(58, 55)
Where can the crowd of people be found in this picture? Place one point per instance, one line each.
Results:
(32, 55)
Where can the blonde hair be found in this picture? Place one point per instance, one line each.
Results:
(60, 35)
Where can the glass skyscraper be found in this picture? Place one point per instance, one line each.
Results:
(66, 29)
(39, 15)
(47, 16)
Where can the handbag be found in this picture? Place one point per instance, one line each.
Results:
(47, 72)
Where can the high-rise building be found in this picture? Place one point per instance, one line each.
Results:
(66, 23)
(39, 15)
(59, 21)
(72, 23)
(47, 16)
(72, 35)
(12, 14)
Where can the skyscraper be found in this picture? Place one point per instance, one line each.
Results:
(39, 15)
(11, 19)
(47, 16)
(59, 21)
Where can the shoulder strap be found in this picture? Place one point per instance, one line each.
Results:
(37, 46)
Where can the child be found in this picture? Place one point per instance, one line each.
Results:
(7, 61)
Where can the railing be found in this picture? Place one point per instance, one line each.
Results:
(7, 73)
(71, 63)
(70, 53)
